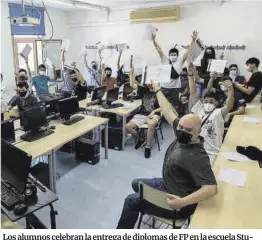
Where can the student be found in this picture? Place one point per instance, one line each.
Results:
(239, 105)
(94, 72)
(253, 86)
(187, 177)
(23, 99)
(213, 118)
(233, 74)
(171, 89)
(149, 113)
(25, 75)
(40, 82)
(80, 87)
(108, 80)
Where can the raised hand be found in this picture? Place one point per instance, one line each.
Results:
(228, 84)
(195, 34)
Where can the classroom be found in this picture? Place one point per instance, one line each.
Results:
(131, 114)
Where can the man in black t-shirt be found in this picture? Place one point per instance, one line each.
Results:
(24, 98)
(187, 177)
(149, 113)
(254, 85)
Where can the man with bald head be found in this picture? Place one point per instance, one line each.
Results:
(187, 176)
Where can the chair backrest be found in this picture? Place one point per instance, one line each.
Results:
(153, 196)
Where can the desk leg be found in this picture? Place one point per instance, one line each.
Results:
(106, 141)
(53, 213)
(124, 133)
(52, 171)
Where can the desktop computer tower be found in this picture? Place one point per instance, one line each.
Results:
(87, 150)
(115, 137)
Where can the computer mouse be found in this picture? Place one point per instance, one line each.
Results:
(52, 127)
(20, 209)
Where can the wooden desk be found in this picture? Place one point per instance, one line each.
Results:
(63, 134)
(124, 112)
(236, 207)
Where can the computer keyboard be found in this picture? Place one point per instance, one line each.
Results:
(30, 137)
(9, 198)
(114, 105)
(73, 120)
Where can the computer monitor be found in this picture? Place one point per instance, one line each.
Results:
(15, 165)
(32, 119)
(98, 93)
(68, 107)
(112, 95)
(52, 107)
(8, 131)
(127, 90)
(2, 117)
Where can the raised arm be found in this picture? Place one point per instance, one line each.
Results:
(118, 60)
(167, 109)
(86, 65)
(192, 85)
(230, 98)
(158, 48)
(210, 86)
(194, 38)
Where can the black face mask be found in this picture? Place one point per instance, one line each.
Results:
(94, 67)
(108, 75)
(183, 137)
(183, 76)
(74, 79)
(22, 94)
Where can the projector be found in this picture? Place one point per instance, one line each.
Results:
(25, 21)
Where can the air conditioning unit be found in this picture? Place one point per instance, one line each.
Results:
(155, 15)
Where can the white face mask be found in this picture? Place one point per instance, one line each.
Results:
(209, 107)
(42, 73)
(248, 69)
(233, 72)
(223, 88)
(173, 58)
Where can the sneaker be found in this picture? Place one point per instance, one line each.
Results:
(147, 152)
(140, 143)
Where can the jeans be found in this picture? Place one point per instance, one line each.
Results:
(172, 95)
(132, 205)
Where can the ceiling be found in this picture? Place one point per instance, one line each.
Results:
(111, 4)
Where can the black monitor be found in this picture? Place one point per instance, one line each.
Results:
(98, 93)
(32, 119)
(127, 90)
(112, 95)
(8, 131)
(51, 107)
(68, 107)
(2, 117)
(15, 165)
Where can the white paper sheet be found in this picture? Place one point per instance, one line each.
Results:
(235, 156)
(121, 47)
(251, 120)
(150, 29)
(217, 66)
(139, 61)
(48, 62)
(82, 52)
(158, 74)
(65, 45)
(232, 176)
(197, 62)
(196, 51)
(26, 51)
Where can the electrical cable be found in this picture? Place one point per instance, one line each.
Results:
(35, 28)
(50, 20)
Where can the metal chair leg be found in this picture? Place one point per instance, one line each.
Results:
(140, 221)
(157, 140)
(154, 223)
(161, 132)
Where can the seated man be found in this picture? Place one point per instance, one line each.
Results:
(40, 82)
(108, 80)
(212, 118)
(233, 74)
(239, 105)
(80, 87)
(23, 99)
(148, 113)
(253, 86)
(187, 177)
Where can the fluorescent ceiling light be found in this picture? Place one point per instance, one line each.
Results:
(79, 4)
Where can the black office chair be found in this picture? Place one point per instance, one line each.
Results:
(143, 128)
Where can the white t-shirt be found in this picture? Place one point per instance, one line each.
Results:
(213, 129)
(178, 66)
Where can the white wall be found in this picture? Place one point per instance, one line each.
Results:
(237, 22)
(59, 19)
